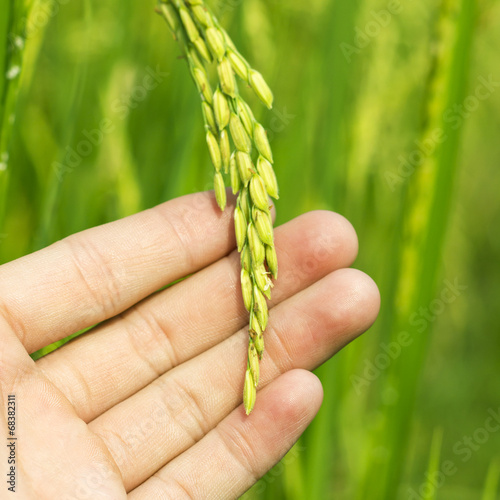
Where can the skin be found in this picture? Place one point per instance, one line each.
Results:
(148, 405)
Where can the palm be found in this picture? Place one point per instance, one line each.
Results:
(149, 402)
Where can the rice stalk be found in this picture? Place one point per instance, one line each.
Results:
(12, 42)
(492, 481)
(425, 220)
(238, 148)
(434, 465)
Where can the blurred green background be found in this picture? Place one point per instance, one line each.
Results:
(387, 112)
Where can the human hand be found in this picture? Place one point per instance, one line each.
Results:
(149, 403)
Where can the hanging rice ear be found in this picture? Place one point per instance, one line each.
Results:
(227, 115)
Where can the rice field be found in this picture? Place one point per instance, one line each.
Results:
(387, 112)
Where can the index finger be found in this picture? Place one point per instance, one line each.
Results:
(98, 273)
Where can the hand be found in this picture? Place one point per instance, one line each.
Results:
(149, 403)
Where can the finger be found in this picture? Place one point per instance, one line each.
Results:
(106, 366)
(164, 419)
(91, 276)
(241, 449)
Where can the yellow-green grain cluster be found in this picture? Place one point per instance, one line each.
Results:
(239, 149)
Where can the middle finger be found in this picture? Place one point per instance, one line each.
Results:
(120, 357)
(164, 419)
